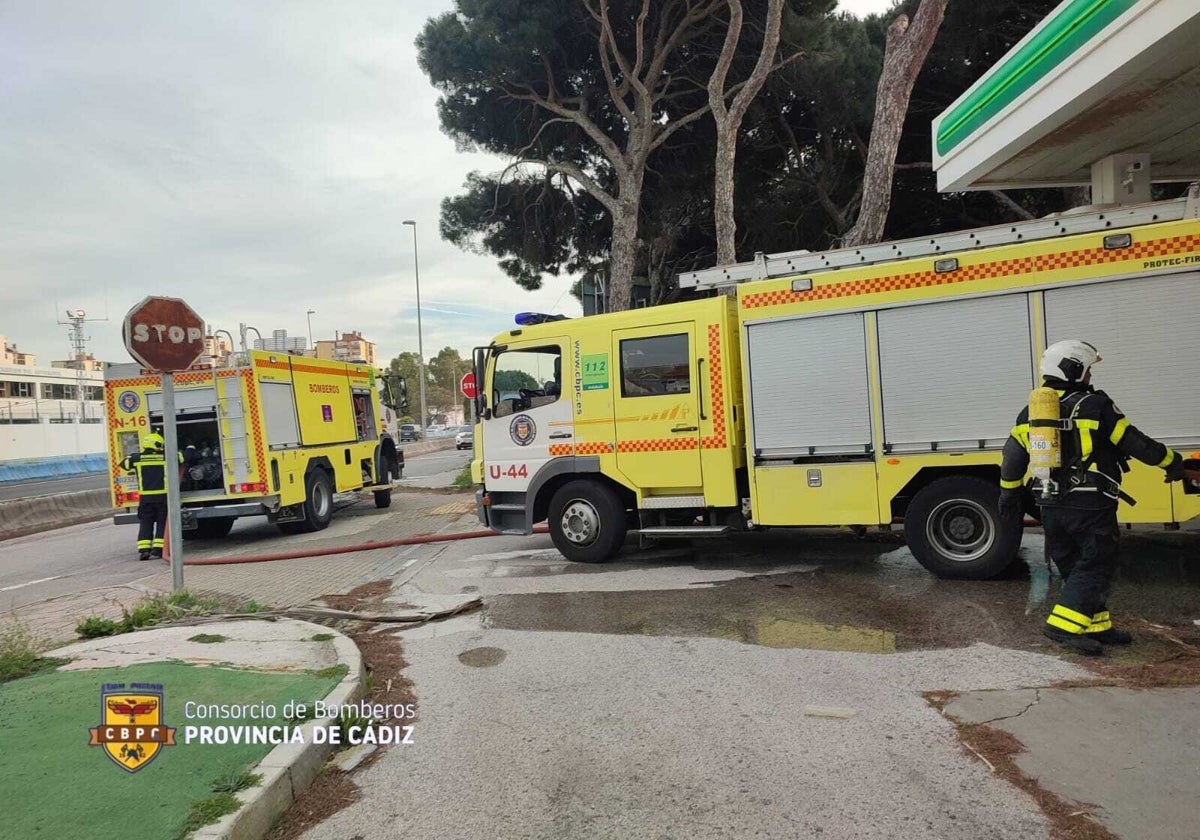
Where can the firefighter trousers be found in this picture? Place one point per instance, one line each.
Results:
(1083, 544)
(152, 524)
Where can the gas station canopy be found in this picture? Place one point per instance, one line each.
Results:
(1097, 83)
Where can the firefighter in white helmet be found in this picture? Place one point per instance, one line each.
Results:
(1079, 507)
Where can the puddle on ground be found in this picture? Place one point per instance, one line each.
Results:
(868, 595)
(483, 657)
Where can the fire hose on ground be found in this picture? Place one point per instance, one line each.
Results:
(420, 539)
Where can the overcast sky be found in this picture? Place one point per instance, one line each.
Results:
(256, 159)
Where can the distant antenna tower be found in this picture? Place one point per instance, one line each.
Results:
(76, 318)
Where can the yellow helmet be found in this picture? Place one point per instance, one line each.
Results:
(153, 441)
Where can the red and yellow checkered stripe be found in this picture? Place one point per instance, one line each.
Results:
(255, 423)
(716, 391)
(1079, 258)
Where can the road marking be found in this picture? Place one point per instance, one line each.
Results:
(31, 583)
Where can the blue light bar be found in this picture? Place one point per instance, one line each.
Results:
(528, 319)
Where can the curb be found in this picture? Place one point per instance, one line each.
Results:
(21, 517)
(288, 769)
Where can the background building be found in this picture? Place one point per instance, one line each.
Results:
(348, 347)
(280, 343)
(10, 355)
(88, 362)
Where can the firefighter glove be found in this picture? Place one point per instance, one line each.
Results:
(1012, 508)
(1175, 472)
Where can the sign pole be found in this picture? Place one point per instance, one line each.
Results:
(171, 439)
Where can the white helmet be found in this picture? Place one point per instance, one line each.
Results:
(1070, 360)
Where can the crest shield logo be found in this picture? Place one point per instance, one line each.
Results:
(522, 430)
(131, 730)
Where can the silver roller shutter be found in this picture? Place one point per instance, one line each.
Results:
(279, 411)
(186, 399)
(1147, 335)
(808, 387)
(954, 373)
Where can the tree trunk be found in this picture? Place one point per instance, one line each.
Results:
(622, 258)
(907, 46)
(723, 198)
(728, 119)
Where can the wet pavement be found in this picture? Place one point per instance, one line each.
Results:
(776, 684)
(857, 594)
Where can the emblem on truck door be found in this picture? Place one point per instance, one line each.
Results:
(522, 430)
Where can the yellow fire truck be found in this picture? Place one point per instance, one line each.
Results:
(847, 388)
(275, 435)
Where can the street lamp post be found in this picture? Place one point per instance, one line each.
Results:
(311, 312)
(420, 344)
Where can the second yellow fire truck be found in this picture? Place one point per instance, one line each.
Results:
(274, 435)
(847, 388)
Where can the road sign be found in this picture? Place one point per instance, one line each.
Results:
(164, 334)
(467, 386)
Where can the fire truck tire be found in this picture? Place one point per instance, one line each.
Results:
(587, 521)
(953, 528)
(210, 529)
(318, 505)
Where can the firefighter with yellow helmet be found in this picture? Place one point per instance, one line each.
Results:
(150, 465)
(1080, 444)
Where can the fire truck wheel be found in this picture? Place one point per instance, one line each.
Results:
(210, 529)
(587, 521)
(318, 501)
(954, 529)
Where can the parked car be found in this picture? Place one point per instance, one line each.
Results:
(409, 431)
(465, 439)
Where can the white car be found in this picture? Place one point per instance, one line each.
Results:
(465, 439)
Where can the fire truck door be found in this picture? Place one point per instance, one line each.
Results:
(656, 404)
(529, 414)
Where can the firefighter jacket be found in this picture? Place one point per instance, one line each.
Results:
(150, 466)
(1097, 442)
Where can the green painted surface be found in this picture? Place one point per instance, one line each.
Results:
(1073, 26)
(56, 786)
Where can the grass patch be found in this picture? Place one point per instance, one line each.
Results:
(250, 608)
(47, 715)
(463, 480)
(148, 612)
(95, 627)
(20, 652)
(333, 671)
(321, 637)
(208, 638)
(207, 811)
(236, 780)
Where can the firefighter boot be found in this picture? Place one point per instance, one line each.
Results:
(1112, 636)
(143, 555)
(1078, 642)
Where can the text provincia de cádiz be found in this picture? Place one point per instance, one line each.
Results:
(330, 732)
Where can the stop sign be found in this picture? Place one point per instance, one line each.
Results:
(467, 386)
(163, 333)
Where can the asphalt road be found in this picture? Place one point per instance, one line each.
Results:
(72, 559)
(52, 486)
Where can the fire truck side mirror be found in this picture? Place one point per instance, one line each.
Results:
(395, 393)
